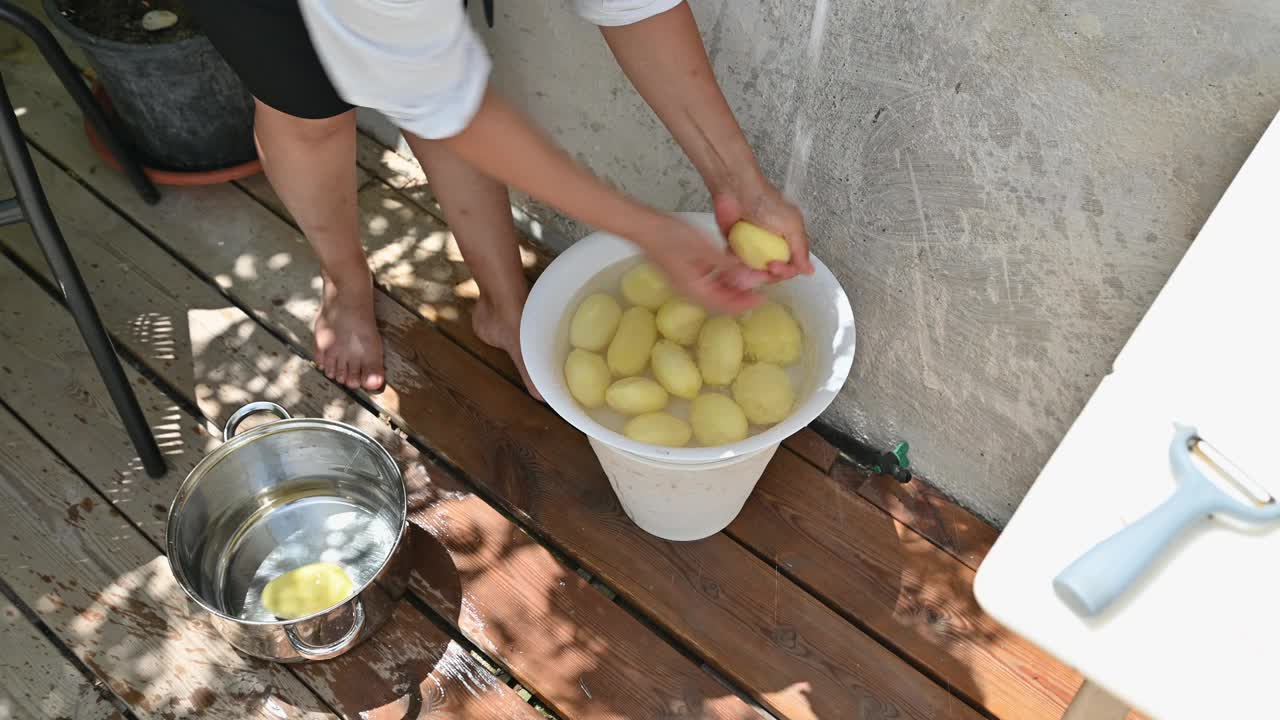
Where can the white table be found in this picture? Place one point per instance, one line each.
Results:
(1199, 636)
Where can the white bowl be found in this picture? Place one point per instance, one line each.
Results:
(818, 302)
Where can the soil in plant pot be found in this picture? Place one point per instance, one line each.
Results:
(121, 20)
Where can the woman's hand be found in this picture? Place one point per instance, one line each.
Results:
(702, 272)
(761, 204)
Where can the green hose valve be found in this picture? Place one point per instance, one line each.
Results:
(896, 463)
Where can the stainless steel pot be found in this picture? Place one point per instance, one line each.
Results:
(280, 496)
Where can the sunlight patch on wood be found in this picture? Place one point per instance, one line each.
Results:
(527, 257)
(246, 267)
(467, 289)
(377, 225)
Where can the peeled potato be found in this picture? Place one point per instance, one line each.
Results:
(756, 246)
(680, 320)
(659, 428)
(720, 350)
(770, 334)
(306, 590)
(643, 285)
(587, 376)
(764, 392)
(629, 352)
(676, 370)
(636, 396)
(594, 323)
(717, 420)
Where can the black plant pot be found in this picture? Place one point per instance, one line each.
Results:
(181, 105)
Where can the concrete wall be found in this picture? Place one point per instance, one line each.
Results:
(1002, 187)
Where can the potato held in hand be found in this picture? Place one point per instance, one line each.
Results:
(756, 246)
(645, 286)
(587, 376)
(717, 420)
(594, 323)
(675, 370)
(629, 352)
(659, 428)
(636, 396)
(764, 392)
(720, 350)
(680, 320)
(770, 334)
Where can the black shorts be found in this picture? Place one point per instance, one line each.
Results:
(266, 43)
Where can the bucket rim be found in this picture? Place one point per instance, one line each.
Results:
(565, 271)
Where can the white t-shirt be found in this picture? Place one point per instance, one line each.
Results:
(420, 62)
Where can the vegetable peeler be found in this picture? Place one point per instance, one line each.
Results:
(1090, 584)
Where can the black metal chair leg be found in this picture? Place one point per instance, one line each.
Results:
(35, 210)
(66, 71)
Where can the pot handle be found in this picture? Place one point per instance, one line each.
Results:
(336, 648)
(252, 408)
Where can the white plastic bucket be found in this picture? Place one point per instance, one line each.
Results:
(682, 502)
(682, 493)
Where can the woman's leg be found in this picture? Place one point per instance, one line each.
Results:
(479, 214)
(312, 167)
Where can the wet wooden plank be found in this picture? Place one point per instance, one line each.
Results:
(506, 593)
(789, 650)
(813, 448)
(558, 635)
(899, 583)
(37, 681)
(434, 677)
(923, 509)
(751, 623)
(399, 668)
(107, 594)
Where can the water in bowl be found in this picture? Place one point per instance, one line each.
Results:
(802, 372)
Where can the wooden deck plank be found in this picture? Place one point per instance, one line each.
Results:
(37, 681)
(814, 448)
(796, 655)
(541, 620)
(378, 678)
(712, 594)
(962, 534)
(901, 585)
(107, 594)
(537, 616)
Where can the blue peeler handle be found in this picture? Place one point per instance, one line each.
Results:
(1090, 584)
(1094, 581)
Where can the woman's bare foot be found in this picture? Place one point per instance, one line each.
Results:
(348, 347)
(501, 329)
